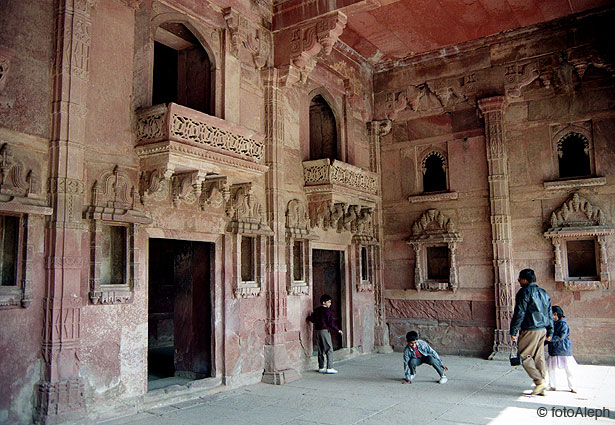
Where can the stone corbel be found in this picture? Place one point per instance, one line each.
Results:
(154, 185)
(305, 42)
(515, 80)
(244, 36)
(187, 187)
(215, 194)
(380, 128)
(6, 55)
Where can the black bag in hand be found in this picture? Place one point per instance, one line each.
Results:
(515, 360)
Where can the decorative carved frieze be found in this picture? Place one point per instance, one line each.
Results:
(248, 38)
(175, 123)
(297, 47)
(434, 229)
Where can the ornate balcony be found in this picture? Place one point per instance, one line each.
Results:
(341, 196)
(324, 175)
(179, 139)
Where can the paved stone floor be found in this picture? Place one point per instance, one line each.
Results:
(368, 390)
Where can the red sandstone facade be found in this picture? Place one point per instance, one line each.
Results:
(182, 180)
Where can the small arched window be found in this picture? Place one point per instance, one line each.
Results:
(182, 69)
(573, 155)
(434, 174)
(323, 130)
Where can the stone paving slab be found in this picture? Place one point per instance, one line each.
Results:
(368, 390)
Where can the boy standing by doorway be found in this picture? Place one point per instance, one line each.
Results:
(418, 352)
(322, 317)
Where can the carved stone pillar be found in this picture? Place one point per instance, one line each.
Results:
(492, 109)
(378, 129)
(277, 363)
(61, 391)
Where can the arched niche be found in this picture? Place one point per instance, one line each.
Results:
(183, 65)
(324, 134)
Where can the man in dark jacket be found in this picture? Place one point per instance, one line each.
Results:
(322, 317)
(532, 325)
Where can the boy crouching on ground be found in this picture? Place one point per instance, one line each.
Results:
(418, 352)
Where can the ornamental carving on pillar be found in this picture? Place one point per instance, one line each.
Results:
(434, 229)
(575, 222)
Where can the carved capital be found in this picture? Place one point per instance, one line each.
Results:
(380, 128)
(493, 104)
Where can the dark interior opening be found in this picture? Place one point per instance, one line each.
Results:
(182, 69)
(327, 278)
(323, 130)
(438, 267)
(581, 259)
(180, 314)
(573, 156)
(434, 179)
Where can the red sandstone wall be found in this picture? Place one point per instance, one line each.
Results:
(27, 29)
(463, 322)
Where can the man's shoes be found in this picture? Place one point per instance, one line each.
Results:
(331, 371)
(323, 370)
(551, 389)
(443, 380)
(539, 389)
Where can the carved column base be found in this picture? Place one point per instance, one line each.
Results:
(501, 346)
(281, 377)
(381, 340)
(61, 401)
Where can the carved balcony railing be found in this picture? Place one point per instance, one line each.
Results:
(332, 173)
(182, 139)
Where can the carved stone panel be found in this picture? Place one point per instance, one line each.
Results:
(434, 229)
(578, 220)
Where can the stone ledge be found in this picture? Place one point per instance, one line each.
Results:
(574, 183)
(435, 197)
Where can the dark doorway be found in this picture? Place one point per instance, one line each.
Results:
(328, 278)
(180, 330)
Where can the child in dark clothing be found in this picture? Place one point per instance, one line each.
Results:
(560, 351)
(418, 352)
(322, 317)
